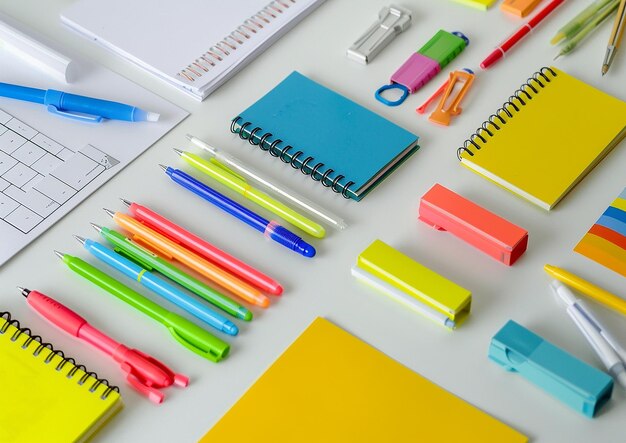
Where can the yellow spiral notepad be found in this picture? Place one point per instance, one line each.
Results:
(551, 133)
(52, 399)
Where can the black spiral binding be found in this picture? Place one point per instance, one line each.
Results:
(261, 140)
(519, 98)
(64, 360)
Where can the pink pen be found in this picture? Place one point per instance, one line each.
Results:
(203, 248)
(146, 374)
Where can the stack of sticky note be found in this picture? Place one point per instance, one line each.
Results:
(479, 4)
(605, 242)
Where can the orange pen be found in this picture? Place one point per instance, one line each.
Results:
(170, 250)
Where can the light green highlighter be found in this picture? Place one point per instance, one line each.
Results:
(185, 332)
(230, 179)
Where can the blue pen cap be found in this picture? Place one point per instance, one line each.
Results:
(574, 382)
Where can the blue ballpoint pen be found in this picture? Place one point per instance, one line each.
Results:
(77, 107)
(159, 286)
(271, 229)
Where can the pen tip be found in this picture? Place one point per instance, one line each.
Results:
(80, 239)
(189, 137)
(557, 56)
(163, 167)
(59, 254)
(96, 227)
(23, 291)
(178, 151)
(126, 202)
(605, 69)
(108, 211)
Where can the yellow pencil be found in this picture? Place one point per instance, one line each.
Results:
(598, 294)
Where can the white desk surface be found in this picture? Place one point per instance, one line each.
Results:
(323, 286)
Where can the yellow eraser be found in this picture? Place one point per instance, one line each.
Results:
(425, 285)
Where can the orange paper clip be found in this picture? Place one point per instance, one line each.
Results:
(449, 107)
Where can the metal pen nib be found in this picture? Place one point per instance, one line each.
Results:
(108, 211)
(80, 239)
(23, 291)
(96, 227)
(178, 151)
(59, 254)
(163, 167)
(126, 202)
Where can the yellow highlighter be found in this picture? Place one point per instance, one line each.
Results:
(230, 179)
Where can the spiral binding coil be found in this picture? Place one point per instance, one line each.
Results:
(292, 159)
(64, 360)
(234, 40)
(519, 98)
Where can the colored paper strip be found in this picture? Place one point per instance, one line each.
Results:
(612, 223)
(603, 252)
(609, 235)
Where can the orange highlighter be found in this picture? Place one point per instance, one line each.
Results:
(173, 251)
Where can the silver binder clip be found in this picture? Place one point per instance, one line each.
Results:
(392, 20)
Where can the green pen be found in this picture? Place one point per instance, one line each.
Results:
(591, 25)
(577, 23)
(150, 261)
(185, 332)
(237, 183)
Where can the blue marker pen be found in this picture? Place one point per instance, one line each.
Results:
(271, 229)
(77, 107)
(159, 286)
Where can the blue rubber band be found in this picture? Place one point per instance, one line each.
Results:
(380, 98)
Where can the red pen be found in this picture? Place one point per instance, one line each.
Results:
(499, 52)
(144, 373)
(203, 248)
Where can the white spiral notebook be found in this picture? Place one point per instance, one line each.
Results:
(195, 45)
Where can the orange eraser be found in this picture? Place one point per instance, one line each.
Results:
(520, 8)
(448, 211)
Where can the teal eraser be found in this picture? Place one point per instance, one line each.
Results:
(574, 382)
(444, 46)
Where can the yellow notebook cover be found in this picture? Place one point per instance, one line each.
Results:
(46, 397)
(329, 386)
(551, 133)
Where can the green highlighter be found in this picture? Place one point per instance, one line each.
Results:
(185, 332)
(150, 261)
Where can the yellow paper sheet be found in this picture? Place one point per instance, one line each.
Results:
(329, 386)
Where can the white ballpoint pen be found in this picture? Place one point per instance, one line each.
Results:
(244, 170)
(604, 344)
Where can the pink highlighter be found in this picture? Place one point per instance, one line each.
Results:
(203, 248)
(144, 373)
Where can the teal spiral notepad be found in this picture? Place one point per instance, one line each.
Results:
(336, 141)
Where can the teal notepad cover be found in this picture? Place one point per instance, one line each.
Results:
(349, 148)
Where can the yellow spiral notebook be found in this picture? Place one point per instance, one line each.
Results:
(48, 397)
(551, 133)
(331, 387)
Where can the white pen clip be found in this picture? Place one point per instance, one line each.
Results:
(392, 20)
